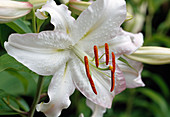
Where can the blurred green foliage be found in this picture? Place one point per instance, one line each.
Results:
(151, 17)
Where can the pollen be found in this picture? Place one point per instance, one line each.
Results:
(111, 67)
(96, 56)
(107, 53)
(88, 75)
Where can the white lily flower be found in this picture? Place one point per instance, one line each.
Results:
(151, 55)
(11, 10)
(65, 51)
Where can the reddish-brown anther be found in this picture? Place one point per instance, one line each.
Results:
(113, 73)
(96, 56)
(107, 53)
(88, 75)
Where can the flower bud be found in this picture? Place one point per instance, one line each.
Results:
(64, 1)
(37, 3)
(151, 55)
(77, 7)
(11, 10)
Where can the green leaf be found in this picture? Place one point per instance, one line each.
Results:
(158, 80)
(8, 113)
(47, 80)
(12, 85)
(19, 26)
(2, 93)
(155, 97)
(23, 80)
(149, 106)
(4, 108)
(126, 62)
(23, 104)
(5, 31)
(10, 104)
(7, 62)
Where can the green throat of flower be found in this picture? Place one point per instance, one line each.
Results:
(94, 62)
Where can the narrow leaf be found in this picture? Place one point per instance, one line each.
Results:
(7, 62)
(19, 26)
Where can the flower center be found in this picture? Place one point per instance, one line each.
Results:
(94, 62)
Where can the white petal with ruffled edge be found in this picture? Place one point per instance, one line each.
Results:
(51, 40)
(124, 43)
(98, 111)
(99, 22)
(60, 88)
(133, 77)
(60, 15)
(42, 52)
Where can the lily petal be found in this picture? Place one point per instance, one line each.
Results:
(120, 81)
(124, 43)
(98, 111)
(102, 83)
(99, 22)
(60, 15)
(133, 77)
(42, 52)
(60, 88)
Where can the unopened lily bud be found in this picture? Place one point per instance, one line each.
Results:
(37, 3)
(64, 1)
(77, 7)
(151, 55)
(11, 10)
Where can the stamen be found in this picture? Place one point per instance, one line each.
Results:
(112, 81)
(88, 75)
(113, 73)
(113, 62)
(111, 67)
(96, 56)
(107, 53)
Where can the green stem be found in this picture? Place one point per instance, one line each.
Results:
(102, 56)
(148, 28)
(37, 96)
(33, 20)
(129, 106)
